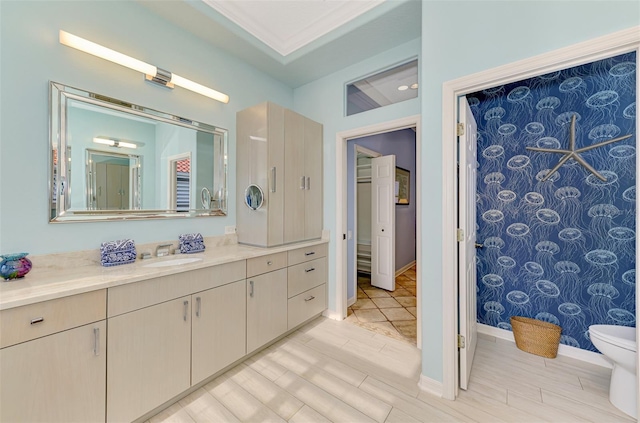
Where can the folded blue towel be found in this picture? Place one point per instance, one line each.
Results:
(114, 253)
(191, 243)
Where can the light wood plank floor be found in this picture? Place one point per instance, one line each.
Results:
(330, 371)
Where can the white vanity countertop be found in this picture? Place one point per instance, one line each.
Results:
(47, 283)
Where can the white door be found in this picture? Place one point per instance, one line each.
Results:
(467, 246)
(383, 222)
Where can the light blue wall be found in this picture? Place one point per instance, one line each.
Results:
(462, 38)
(323, 101)
(403, 145)
(31, 56)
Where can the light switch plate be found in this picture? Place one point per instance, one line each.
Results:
(229, 230)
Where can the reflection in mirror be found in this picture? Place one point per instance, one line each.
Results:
(138, 162)
(113, 181)
(253, 197)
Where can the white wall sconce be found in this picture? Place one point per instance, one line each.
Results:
(114, 142)
(151, 72)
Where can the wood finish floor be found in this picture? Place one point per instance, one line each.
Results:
(330, 371)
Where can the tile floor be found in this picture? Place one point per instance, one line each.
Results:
(388, 313)
(332, 371)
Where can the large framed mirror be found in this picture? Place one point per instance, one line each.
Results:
(113, 160)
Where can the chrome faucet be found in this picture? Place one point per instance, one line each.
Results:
(163, 250)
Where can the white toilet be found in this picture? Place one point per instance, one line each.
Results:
(618, 343)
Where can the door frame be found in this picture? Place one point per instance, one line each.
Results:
(620, 42)
(341, 213)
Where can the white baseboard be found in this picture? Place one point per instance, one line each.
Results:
(405, 268)
(563, 350)
(351, 301)
(430, 386)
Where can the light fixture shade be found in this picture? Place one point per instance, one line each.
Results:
(200, 89)
(153, 74)
(114, 142)
(106, 53)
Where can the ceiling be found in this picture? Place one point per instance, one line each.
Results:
(296, 41)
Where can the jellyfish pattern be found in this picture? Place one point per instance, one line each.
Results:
(560, 250)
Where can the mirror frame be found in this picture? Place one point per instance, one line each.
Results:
(59, 151)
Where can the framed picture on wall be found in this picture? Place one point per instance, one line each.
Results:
(402, 186)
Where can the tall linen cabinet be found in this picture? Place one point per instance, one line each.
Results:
(279, 151)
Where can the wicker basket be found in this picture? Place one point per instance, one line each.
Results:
(536, 337)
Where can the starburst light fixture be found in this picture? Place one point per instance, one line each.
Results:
(573, 153)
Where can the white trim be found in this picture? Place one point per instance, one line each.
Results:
(430, 386)
(341, 212)
(332, 315)
(563, 350)
(405, 268)
(574, 55)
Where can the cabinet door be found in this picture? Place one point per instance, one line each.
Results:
(149, 358)
(266, 308)
(218, 329)
(313, 173)
(57, 378)
(294, 159)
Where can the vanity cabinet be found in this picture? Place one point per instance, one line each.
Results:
(266, 300)
(53, 360)
(280, 152)
(306, 284)
(171, 332)
(218, 331)
(149, 354)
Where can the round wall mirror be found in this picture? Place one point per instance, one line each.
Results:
(253, 197)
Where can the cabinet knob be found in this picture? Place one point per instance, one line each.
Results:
(310, 270)
(269, 263)
(186, 308)
(37, 320)
(96, 341)
(310, 253)
(310, 298)
(251, 288)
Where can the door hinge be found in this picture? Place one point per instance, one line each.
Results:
(461, 341)
(460, 235)
(460, 129)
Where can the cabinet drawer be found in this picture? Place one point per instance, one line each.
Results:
(301, 255)
(32, 321)
(306, 305)
(305, 276)
(137, 295)
(264, 264)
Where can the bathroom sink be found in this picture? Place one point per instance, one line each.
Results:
(173, 262)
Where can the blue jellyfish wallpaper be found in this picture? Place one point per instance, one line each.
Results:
(559, 249)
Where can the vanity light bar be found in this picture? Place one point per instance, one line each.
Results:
(152, 73)
(114, 142)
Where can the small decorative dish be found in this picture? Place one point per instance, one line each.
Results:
(191, 243)
(115, 253)
(14, 266)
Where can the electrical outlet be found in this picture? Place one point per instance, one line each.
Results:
(229, 230)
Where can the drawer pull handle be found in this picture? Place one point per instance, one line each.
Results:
(251, 288)
(37, 320)
(96, 341)
(269, 263)
(186, 308)
(310, 298)
(310, 270)
(198, 302)
(310, 254)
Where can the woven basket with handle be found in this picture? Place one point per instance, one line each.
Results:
(535, 336)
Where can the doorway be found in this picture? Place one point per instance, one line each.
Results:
(587, 52)
(381, 233)
(342, 249)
